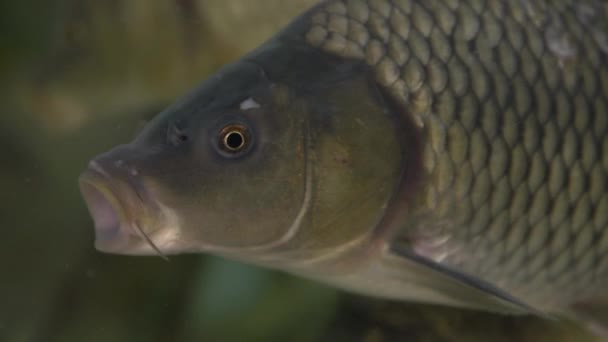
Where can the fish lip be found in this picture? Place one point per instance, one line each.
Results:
(114, 206)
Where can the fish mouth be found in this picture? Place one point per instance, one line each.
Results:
(115, 207)
(105, 210)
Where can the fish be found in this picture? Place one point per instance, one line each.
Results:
(452, 152)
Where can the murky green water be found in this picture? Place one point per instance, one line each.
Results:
(79, 77)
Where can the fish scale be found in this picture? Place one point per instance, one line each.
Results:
(511, 98)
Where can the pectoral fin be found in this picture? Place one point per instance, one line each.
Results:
(470, 291)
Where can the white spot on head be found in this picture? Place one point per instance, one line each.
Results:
(133, 171)
(249, 104)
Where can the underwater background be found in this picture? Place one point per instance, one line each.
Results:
(79, 77)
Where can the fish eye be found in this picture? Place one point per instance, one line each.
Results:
(234, 139)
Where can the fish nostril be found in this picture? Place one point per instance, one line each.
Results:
(175, 135)
(103, 208)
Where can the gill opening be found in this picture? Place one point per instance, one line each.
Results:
(307, 200)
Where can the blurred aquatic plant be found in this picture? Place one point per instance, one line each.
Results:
(265, 307)
(114, 57)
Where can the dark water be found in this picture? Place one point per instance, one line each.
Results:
(79, 77)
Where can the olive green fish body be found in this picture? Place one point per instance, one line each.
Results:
(443, 151)
(511, 98)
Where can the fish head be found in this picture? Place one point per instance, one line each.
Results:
(205, 174)
(250, 166)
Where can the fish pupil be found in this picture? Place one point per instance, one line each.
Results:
(235, 140)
